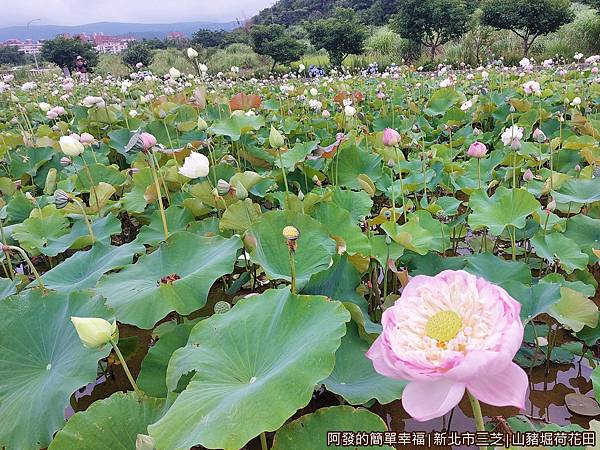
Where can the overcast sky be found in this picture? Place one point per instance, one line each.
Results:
(78, 12)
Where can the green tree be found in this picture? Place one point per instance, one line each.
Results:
(63, 51)
(341, 35)
(431, 23)
(136, 53)
(528, 19)
(10, 55)
(272, 40)
(209, 38)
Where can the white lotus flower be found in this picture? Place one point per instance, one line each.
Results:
(71, 146)
(192, 53)
(195, 166)
(93, 331)
(174, 73)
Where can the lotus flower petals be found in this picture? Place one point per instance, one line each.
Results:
(454, 329)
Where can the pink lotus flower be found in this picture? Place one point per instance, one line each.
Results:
(390, 137)
(447, 334)
(148, 140)
(477, 150)
(528, 175)
(86, 138)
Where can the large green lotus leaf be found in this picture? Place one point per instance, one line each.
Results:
(8, 287)
(112, 423)
(135, 200)
(310, 431)
(99, 172)
(410, 235)
(84, 268)
(29, 160)
(536, 299)
(342, 228)
(153, 374)
(586, 289)
(442, 100)
(555, 245)
(574, 310)
(358, 203)
(350, 162)
(36, 232)
(314, 246)
(295, 154)
(79, 236)
(339, 282)
(353, 376)
(235, 126)
(240, 215)
(578, 191)
(498, 270)
(585, 231)
(255, 366)
(42, 362)
(178, 219)
(381, 250)
(505, 207)
(141, 297)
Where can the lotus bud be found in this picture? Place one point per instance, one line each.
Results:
(539, 135)
(300, 195)
(315, 179)
(223, 187)
(390, 137)
(477, 150)
(577, 168)
(192, 53)
(71, 146)
(50, 184)
(551, 206)
(326, 114)
(144, 442)
(174, 73)
(202, 125)
(388, 240)
(276, 139)
(95, 332)
(86, 138)
(221, 307)
(61, 199)
(65, 161)
(528, 175)
(476, 131)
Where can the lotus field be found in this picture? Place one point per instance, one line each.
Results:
(301, 263)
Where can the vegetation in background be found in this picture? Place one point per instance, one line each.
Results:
(63, 52)
(526, 18)
(138, 53)
(271, 40)
(341, 35)
(11, 55)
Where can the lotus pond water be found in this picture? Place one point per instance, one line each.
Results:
(202, 262)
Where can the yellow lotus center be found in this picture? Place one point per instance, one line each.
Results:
(443, 326)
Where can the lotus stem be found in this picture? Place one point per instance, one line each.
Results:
(11, 271)
(479, 172)
(92, 184)
(477, 415)
(393, 195)
(263, 441)
(29, 263)
(86, 218)
(126, 368)
(159, 195)
(292, 268)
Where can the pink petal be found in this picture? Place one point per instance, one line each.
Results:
(426, 400)
(505, 388)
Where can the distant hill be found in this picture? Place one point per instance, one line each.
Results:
(294, 12)
(139, 30)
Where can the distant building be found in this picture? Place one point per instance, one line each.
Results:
(102, 43)
(28, 46)
(176, 35)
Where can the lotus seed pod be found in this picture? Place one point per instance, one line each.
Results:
(61, 199)
(387, 214)
(291, 233)
(221, 307)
